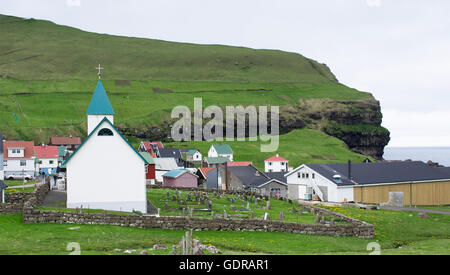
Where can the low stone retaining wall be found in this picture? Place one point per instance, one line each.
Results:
(17, 202)
(230, 192)
(362, 230)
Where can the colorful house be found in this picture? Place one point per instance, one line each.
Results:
(150, 174)
(164, 165)
(214, 161)
(276, 164)
(180, 178)
(71, 143)
(18, 159)
(193, 155)
(46, 159)
(220, 150)
(208, 177)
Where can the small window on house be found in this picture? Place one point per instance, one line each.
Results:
(307, 175)
(40, 162)
(146, 169)
(50, 161)
(270, 163)
(105, 132)
(23, 163)
(313, 175)
(298, 175)
(5, 163)
(303, 175)
(282, 163)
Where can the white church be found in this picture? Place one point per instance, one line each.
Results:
(105, 172)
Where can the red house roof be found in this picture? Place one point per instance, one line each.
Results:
(276, 158)
(205, 170)
(239, 163)
(147, 145)
(45, 152)
(158, 144)
(27, 145)
(65, 141)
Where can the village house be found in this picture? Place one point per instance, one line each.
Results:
(239, 163)
(71, 143)
(194, 155)
(208, 177)
(180, 178)
(105, 172)
(249, 178)
(63, 154)
(169, 153)
(370, 182)
(150, 147)
(276, 164)
(220, 150)
(18, 159)
(164, 165)
(2, 173)
(150, 172)
(46, 159)
(214, 161)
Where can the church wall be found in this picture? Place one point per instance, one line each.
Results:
(106, 174)
(94, 120)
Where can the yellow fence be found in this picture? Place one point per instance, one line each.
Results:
(426, 193)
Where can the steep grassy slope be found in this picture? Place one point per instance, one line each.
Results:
(47, 76)
(67, 53)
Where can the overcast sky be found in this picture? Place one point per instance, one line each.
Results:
(399, 50)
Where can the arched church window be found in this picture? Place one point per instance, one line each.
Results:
(105, 132)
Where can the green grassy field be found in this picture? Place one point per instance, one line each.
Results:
(159, 198)
(397, 232)
(299, 147)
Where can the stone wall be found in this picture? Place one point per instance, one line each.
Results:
(362, 230)
(231, 192)
(17, 202)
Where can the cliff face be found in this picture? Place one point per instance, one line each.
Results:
(357, 123)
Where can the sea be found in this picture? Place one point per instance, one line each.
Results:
(435, 154)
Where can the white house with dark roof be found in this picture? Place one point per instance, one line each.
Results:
(338, 182)
(105, 171)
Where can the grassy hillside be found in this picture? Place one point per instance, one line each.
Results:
(47, 77)
(299, 146)
(66, 53)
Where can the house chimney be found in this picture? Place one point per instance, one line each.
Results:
(350, 170)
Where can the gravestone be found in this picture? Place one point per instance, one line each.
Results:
(266, 216)
(317, 219)
(225, 215)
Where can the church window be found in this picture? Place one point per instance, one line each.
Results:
(105, 132)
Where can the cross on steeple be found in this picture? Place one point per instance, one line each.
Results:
(99, 68)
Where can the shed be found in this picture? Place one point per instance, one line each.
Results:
(180, 178)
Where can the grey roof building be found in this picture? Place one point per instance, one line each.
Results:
(379, 172)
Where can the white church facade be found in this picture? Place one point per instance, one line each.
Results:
(105, 172)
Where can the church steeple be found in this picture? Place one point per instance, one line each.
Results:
(100, 107)
(100, 104)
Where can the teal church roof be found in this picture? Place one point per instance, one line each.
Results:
(100, 104)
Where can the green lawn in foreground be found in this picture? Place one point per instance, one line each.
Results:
(393, 229)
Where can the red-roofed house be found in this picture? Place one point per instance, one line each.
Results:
(71, 142)
(150, 147)
(46, 159)
(19, 158)
(276, 164)
(239, 163)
